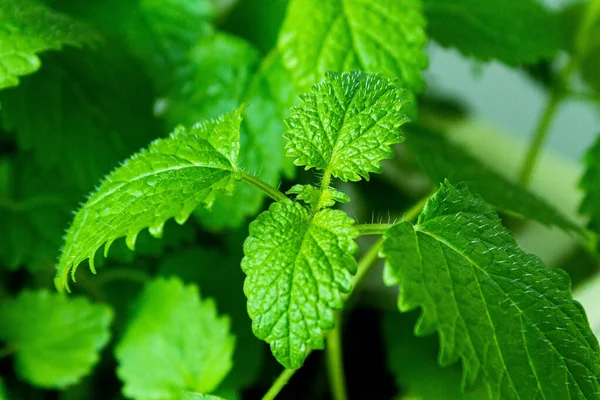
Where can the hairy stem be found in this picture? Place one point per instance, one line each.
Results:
(372, 229)
(324, 186)
(264, 186)
(335, 362)
(279, 383)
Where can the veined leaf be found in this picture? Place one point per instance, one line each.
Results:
(27, 28)
(169, 179)
(440, 159)
(56, 339)
(508, 317)
(386, 36)
(346, 125)
(311, 195)
(175, 341)
(590, 183)
(298, 267)
(512, 31)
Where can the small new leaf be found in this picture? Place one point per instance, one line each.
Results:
(169, 179)
(298, 269)
(386, 36)
(346, 125)
(590, 183)
(175, 341)
(28, 27)
(311, 195)
(510, 318)
(56, 339)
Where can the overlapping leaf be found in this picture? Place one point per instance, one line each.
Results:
(387, 36)
(174, 342)
(312, 195)
(590, 183)
(28, 27)
(512, 31)
(346, 125)
(440, 159)
(169, 179)
(56, 340)
(298, 267)
(509, 318)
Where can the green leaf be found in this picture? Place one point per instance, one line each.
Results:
(198, 396)
(311, 195)
(590, 183)
(76, 123)
(512, 31)
(27, 28)
(226, 71)
(440, 159)
(298, 267)
(509, 318)
(56, 339)
(225, 285)
(191, 347)
(387, 36)
(346, 125)
(413, 363)
(169, 179)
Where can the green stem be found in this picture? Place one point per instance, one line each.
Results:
(368, 260)
(264, 186)
(278, 385)
(372, 229)
(416, 209)
(324, 186)
(335, 363)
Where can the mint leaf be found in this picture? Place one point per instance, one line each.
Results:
(346, 125)
(191, 346)
(56, 339)
(512, 31)
(27, 28)
(225, 285)
(298, 267)
(590, 183)
(387, 36)
(81, 126)
(440, 159)
(311, 195)
(413, 362)
(169, 179)
(508, 317)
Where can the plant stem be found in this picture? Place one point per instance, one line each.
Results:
(324, 186)
(281, 381)
(416, 209)
(335, 362)
(372, 229)
(264, 186)
(368, 260)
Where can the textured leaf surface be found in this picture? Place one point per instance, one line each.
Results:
(508, 317)
(311, 195)
(512, 31)
(169, 179)
(174, 341)
(385, 37)
(219, 277)
(227, 72)
(56, 339)
(440, 159)
(413, 362)
(297, 270)
(27, 28)
(590, 183)
(346, 125)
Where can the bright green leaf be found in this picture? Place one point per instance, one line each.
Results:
(224, 284)
(27, 28)
(174, 341)
(512, 31)
(508, 317)
(440, 159)
(386, 36)
(346, 125)
(169, 179)
(298, 267)
(56, 339)
(311, 195)
(590, 183)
